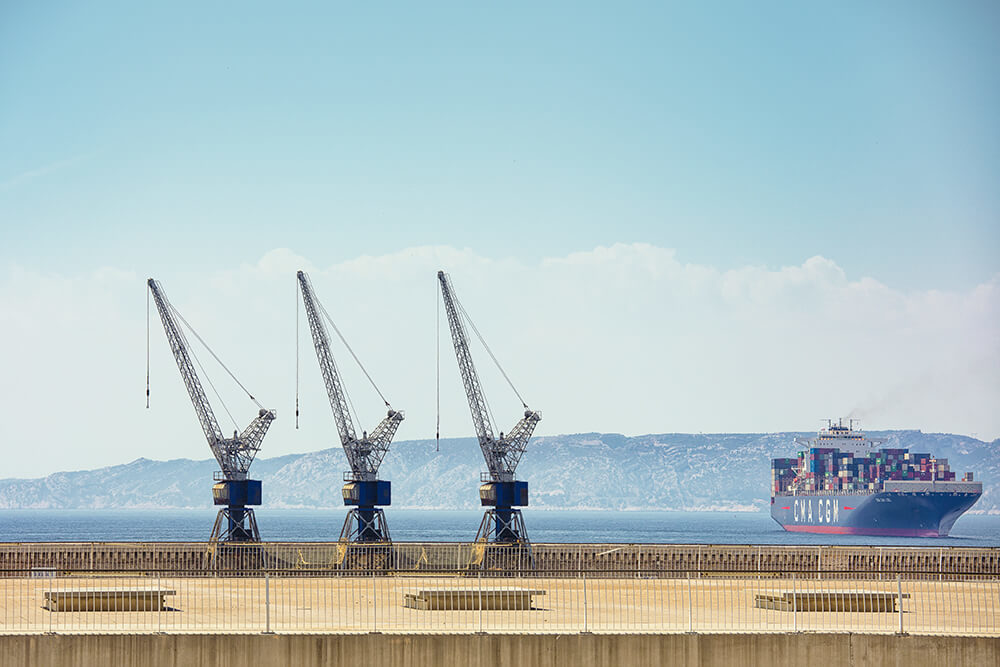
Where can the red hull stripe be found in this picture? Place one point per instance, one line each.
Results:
(846, 508)
(850, 530)
(786, 508)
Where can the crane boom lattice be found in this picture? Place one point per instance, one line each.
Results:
(504, 453)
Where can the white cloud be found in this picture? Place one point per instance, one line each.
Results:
(621, 338)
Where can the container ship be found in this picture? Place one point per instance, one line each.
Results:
(844, 483)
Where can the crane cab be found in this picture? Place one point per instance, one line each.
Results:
(237, 493)
(367, 494)
(504, 494)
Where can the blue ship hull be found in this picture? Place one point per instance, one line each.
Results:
(905, 514)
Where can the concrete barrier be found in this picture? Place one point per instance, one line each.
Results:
(413, 650)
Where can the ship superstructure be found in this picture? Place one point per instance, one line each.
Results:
(844, 482)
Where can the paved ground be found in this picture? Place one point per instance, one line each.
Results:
(365, 604)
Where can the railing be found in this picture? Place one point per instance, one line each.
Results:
(199, 558)
(45, 601)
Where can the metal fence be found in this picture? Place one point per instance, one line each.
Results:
(198, 558)
(43, 600)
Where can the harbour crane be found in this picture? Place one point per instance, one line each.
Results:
(362, 489)
(499, 490)
(233, 489)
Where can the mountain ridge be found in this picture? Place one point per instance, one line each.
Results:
(596, 471)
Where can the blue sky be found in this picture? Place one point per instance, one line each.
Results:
(723, 216)
(737, 133)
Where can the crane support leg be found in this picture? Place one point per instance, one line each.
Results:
(366, 522)
(236, 522)
(365, 525)
(505, 541)
(503, 524)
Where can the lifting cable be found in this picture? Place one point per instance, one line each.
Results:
(208, 379)
(483, 341)
(147, 348)
(490, 418)
(204, 373)
(296, 354)
(343, 340)
(437, 434)
(215, 356)
(350, 403)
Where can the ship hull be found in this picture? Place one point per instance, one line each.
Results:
(888, 513)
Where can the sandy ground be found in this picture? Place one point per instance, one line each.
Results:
(366, 604)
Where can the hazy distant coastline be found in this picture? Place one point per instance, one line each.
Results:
(590, 471)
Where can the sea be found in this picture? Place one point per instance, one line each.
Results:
(413, 525)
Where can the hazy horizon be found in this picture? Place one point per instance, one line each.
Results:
(536, 442)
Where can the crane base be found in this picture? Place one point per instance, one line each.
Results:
(504, 542)
(235, 524)
(365, 525)
(503, 526)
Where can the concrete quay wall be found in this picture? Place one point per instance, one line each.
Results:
(200, 557)
(579, 650)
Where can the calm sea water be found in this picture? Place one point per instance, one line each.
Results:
(460, 525)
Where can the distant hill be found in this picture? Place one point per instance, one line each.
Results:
(729, 471)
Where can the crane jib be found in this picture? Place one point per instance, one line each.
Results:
(364, 454)
(234, 454)
(504, 453)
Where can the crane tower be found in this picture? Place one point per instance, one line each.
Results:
(233, 489)
(363, 489)
(499, 490)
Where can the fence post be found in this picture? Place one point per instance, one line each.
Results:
(690, 606)
(52, 603)
(899, 600)
(795, 605)
(267, 603)
(160, 597)
(585, 626)
(374, 605)
(479, 578)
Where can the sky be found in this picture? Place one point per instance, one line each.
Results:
(664, 218)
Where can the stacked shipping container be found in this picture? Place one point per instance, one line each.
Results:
(830, 469)
(782, 473)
